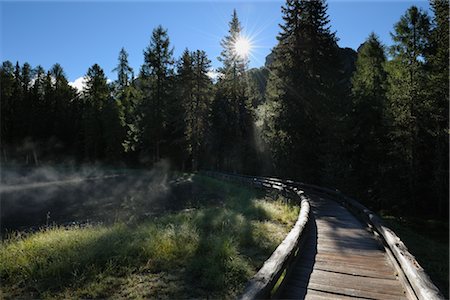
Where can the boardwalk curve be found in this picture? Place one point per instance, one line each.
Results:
(343, 252)
(341, 260)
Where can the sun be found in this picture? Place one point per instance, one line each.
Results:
(242, 47)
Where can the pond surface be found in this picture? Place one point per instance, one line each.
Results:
(95, 199)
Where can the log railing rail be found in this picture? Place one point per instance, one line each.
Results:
(264, 283)
(417, 283)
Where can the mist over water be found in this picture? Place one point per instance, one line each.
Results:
(36, 197)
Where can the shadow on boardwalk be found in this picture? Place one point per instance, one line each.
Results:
(340, 259)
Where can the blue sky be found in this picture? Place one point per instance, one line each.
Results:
(79, 34)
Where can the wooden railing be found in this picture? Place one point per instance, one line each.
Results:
(416, 282)
(269, 278)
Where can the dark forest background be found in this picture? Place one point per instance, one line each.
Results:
(373, 123)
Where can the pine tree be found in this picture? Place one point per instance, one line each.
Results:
(96, 97)
(257, 82)
(369, 83)
(232, 119)
(19, 119)
(63, 98)
(202, 107)
(39, 83)
(130, 118)
(156, 76)
(195, 88)
(39, 108)
(185, 92)
(127, 101)
(301, 92)
(234, 65)
(408, 110)
(438, 89)
(48, 120)
(124, 71)
(27, 74)
(7, 103)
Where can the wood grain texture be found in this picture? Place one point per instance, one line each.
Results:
(349, 253)
(416, 281)
(341, 260)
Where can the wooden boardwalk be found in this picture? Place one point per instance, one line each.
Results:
(340, 260)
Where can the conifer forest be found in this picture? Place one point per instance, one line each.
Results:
(372, 123)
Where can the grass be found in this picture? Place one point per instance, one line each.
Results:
(428, 241)
(210, 250)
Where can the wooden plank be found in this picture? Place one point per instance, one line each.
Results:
(348, 253)
(336, 218)
(293, 292)
(350, 242)
(358, 287)
(333, 214)
(373, 259)
(351, 292)
(344, 261)
(349, 231)
(320, 295)
(339, 226)
(333, 278)
(369, 253)
(361, 270)
(358, 265)
(407, 264)
(355, 269)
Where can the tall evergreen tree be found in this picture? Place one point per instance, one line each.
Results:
(7, 103)
(195, 88)
(124, 71)
(369, 83)
(156, 76)
(185, 86)
(130, 118)
(96, 96)
(438, 93)
(19, 121)
(127, 101)
(39, 83)
(63, 98)
(301, 91)
(232, 119)
(26, 111)
(47, 120)
(27, 74)
(408, 110)
(38, 106)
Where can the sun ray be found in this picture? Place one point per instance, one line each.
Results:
(242, 46)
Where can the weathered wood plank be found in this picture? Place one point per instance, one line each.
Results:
(319, 295)
(378, 262)
(294, 291)
(350, 242)
(345, 262)
(350, 281)
(354, 290)
(342, 259)
(361, 270)
(368, 253)
(415, 280)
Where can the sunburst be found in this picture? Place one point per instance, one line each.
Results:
(242, 47)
